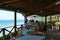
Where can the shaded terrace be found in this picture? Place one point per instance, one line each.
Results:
(31, 7)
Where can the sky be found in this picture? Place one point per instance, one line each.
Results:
(9, 15)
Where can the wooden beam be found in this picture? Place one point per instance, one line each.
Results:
(9, 2)
(16, 3)
(52, 4)
(50, 11)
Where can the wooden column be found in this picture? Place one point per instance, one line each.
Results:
(57, 18)
(50, 19)
(25, 15)
(50, 22)
(15, 22)
(45, 28)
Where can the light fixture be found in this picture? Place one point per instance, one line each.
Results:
(57, 3)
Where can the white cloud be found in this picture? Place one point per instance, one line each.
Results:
(9, 15)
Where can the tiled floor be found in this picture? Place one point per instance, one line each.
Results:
(30, 37)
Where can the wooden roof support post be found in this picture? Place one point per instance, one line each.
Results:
(50, 18)
(45, 28)
(50, 21)
(58, 18)
(25, 15)
(15, 22)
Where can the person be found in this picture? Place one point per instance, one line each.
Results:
(20, 31)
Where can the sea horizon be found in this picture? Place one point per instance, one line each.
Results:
(9, 23)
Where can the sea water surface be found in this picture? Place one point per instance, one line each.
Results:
(10, 24)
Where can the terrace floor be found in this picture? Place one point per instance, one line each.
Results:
(29, 37)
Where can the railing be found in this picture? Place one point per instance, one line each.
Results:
(8, 36)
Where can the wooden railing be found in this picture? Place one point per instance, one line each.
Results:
(7, 37)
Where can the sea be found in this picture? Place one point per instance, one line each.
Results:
(9, 24)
